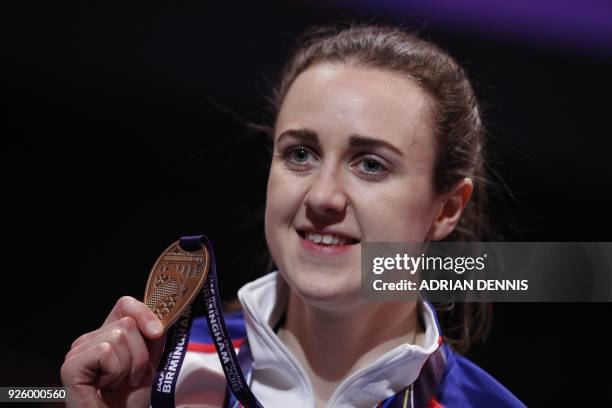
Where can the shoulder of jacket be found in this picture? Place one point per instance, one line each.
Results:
(466, 384)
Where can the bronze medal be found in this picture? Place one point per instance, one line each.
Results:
(176, 278)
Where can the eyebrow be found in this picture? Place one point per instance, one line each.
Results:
(355, 140)
(372, 143)
(305, 134)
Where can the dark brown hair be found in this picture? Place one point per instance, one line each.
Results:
(459, 132)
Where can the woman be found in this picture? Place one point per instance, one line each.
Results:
(377, 137)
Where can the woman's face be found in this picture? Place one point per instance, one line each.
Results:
(353, 162)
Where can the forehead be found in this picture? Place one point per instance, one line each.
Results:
(338, 99)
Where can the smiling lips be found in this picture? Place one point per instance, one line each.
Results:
(326, 243)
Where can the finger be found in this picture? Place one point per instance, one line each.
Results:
(102, 334)
(109, 365)
(148, 323)
(138, 349)
(155, 348)
(85, 338)
(120, 346)
(146, 320)
(96, 361)
(81, 375)
(89, 340)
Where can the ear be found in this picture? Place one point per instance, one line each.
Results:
(451, 207)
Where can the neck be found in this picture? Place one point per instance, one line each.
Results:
(331, 344)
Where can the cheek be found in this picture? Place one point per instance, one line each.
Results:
(397, 214)
(279, 198)
(283, 201)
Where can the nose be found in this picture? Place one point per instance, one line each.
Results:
(327, 195)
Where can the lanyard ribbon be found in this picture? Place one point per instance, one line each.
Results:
(209, 301)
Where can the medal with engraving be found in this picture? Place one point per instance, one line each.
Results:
(175, 280)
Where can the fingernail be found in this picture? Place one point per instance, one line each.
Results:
(154, 327)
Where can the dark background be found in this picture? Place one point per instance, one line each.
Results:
(124, 127)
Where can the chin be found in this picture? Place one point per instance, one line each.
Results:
(323, 290)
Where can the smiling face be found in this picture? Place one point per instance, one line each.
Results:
(353, 162)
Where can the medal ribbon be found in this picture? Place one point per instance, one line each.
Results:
(164, 385)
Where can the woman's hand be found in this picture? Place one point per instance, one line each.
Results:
(115, 364)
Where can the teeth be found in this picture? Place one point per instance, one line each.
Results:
(327, 239)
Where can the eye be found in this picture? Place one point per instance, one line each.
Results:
(298, 156)
(371, 167)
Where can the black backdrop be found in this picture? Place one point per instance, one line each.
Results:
(124, 128)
